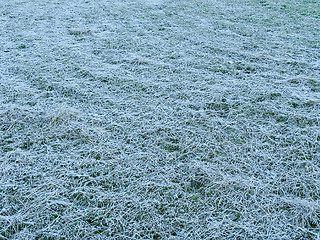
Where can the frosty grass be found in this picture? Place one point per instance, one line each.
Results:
(159, 119)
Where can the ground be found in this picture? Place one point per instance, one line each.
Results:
(159, 119)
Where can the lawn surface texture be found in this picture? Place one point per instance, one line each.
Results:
(159, 119)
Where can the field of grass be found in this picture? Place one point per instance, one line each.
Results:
(159, 119)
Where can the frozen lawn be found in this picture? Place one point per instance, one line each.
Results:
(159, 119)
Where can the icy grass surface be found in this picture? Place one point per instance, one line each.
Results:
(159, 119)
